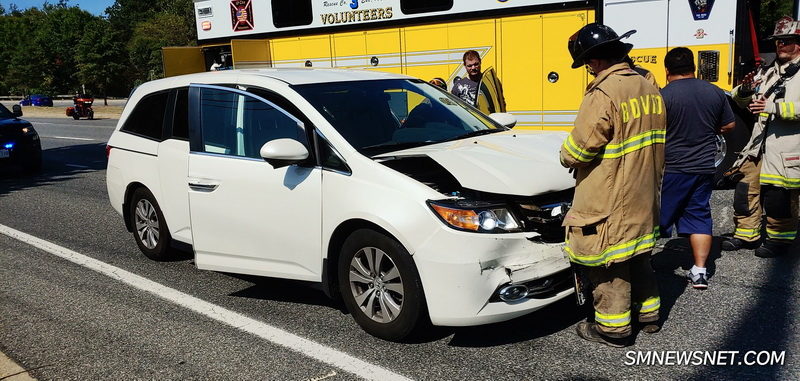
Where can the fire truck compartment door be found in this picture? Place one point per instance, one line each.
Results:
(182, 60)
(251, 54)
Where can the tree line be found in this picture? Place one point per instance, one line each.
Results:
(59, 48)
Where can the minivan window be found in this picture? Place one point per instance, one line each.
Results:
(238, 125)
(147, 118)
(180, 121)
(328, 157)
(421, 6)
(291, 13)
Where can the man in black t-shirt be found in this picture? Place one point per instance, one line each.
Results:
(696, 112)
(467, 88)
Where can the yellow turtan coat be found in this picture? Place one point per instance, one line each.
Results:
(617, 148)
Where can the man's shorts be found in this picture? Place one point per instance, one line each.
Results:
(686, 203)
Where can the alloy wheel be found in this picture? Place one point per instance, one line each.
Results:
(147, 225)
(722, 149)
(376, 284)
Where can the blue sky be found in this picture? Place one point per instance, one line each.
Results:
(96, 7)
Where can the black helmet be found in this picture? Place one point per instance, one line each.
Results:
(593, 38)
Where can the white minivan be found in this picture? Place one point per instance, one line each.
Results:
(393, 194)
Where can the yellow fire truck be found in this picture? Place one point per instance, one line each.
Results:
(523, 41)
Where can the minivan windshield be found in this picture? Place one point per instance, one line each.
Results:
(388, 115)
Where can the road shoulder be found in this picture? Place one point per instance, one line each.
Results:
(11, 371)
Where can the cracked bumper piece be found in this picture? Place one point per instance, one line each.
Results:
(461, 273)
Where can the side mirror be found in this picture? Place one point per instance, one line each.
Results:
(283, 152)
(16, 110)
(504, 118)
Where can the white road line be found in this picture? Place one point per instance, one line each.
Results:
(76, 166)
(275, 335)
(68, 137)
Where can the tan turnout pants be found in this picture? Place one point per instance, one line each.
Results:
(748, 208)
(747, 202)
(622, 290)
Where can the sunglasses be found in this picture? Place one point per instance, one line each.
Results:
(785, 41)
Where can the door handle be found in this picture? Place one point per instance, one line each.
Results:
(203, 185)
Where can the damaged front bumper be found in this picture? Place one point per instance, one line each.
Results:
(462, 274)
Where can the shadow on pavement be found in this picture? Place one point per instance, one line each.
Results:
(547, 321)
(58, 165)
(766, 325)
(671, 265)
(283, 290)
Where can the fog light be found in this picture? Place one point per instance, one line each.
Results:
(513, 293)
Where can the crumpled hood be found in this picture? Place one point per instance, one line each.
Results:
(523, 163)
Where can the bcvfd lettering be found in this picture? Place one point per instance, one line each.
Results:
(645, 105)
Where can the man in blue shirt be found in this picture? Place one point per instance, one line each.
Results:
(696, 112)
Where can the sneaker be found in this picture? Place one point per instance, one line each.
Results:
(588, 331)
(734, 244)
(772, 249)
(698, 281)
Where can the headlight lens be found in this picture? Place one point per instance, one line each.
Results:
(474, 217)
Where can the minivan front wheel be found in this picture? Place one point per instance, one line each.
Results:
(149, 228)
(380, 285)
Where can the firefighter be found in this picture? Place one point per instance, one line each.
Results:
(617, 150)
(770, 161)
(647, 74)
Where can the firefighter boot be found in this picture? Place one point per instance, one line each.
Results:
(733, 244)
(588, 331)
(772, 249)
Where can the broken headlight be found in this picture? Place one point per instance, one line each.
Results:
(475, 216)
(545, 220)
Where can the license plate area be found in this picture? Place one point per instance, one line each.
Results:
(4, 153)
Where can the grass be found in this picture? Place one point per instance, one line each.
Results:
(100, 111)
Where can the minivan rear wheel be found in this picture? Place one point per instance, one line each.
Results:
(380, 286)
(149, 228)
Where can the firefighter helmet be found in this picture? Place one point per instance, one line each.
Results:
(595, 38)
(786, 27)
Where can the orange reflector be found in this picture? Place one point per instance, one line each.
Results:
(206, 25)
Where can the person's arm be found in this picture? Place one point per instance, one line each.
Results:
(782, 110)
(727, 121)
(727, 128)
(593, 130)
(743, 94)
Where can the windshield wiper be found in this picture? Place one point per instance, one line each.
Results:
(476, 133)
(389, 147)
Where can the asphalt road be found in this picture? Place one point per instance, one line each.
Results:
(65, 321)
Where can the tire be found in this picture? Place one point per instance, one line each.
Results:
(91, 115)
(149, 227)
(75, 116)
(390, 305)
(734, 142)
